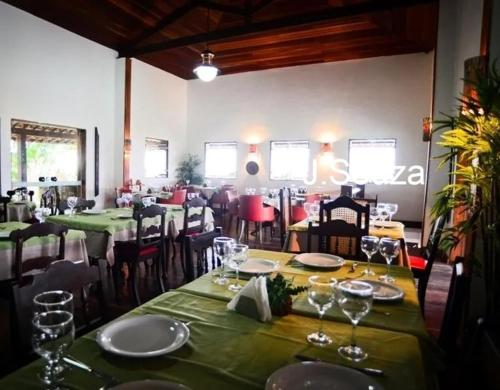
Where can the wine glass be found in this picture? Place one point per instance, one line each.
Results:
(382, 212)
(72, 202)
(223, 249)
(369, 246)
(53, 334)
(392, 208)
(389, 248)
(321, 295)
(354, 298)
(314, 210)
(188, 181)
(373, 215)
(307, 209)
(56, 300)
(263, 190)
(239, 256)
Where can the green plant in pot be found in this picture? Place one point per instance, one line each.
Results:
(280, 292)
(187, 171)
(472, 140)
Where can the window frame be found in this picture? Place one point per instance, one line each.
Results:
(158, 140)
(370, 181)
(235, 143)
(288, 141)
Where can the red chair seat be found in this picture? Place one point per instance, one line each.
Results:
(418, 263)
(298, 214)
(148, 251)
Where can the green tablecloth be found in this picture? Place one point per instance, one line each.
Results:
(229, 351)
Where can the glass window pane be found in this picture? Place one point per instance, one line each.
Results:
(289, 160)
(221, 160)
(156, 158)
(372, 160)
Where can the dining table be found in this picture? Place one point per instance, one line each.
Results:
(227, 350)
(296, 237)
(102, 229)
(75, 247)
(20, 210)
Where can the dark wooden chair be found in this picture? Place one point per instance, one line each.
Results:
(421, 265)
(82, 204)
(20, 236)
(4, 201)
(194, 223)
(89, 299)
(149, 244)
(197, 247)
(23, 190)
(346, 190)
(358, 190)
(50, 199)
(285, 215)
(342, 223)
(364, 201)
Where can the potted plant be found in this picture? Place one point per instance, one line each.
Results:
(280, 292)
(186, 172)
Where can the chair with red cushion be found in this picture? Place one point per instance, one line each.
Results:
(421, 266)
(149, 244)
(252, 210)
(178, 197)
(311, 198)
(233, 205)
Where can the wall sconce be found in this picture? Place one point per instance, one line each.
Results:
(426, 129)
(252, 148)
(326, 147)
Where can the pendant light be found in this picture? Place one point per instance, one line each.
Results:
(206, 71)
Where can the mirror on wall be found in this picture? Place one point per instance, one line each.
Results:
(252, 168)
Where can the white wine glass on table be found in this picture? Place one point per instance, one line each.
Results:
(369, 246)
(223, 250)
(354, 298)
(321, 295)
(53, 334)
(389, 248)
(374, 215)
(382, 213)
(55, 300)
(239, 256)
(314, 210)
(392, 208)
(72, 202)
(307, 209)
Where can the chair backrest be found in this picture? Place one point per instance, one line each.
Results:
(346, 190)
(250, 207)
(4, 201)
(82, 204)
(61, 275)
(232, 195)
(364, 201)
(178, 197)
(50, 199)
(454, 312)
(432, 246)
(346, 209)
(19, 236)
(311, 198)
(285, 213)
(151, 233)
(359, 192)
(198, 246)
(194, 216)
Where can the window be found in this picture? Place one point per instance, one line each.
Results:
(156, 158)
(221, 160)
(289, 160)
(372, 160)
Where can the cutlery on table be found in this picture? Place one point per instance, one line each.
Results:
(365, 370)
(377, 311)
(109, 380)
(353, 267)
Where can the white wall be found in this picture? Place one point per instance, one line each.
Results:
(158, 110)
(48, 74)
(384, 97)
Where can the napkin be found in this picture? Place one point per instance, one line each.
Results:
(252, 300)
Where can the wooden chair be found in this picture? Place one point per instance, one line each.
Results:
(197, 247)
(346, 190)
(364, 201)
(4, 201)
(344, 222)
(50, 199)
(285, 215)
(233, 205)
(20, 236)
(194, 223)
(421, 266)
(89, 298)
(82, 204)
(360, 191)
(149, 244)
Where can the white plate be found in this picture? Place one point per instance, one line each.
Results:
(4, 234)
(319, 376)
(94, 212)
(257, 265)
(320, 260)
(150, 385)
(143, 336)
(384, 292)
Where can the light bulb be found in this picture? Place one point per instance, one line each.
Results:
(206, 72)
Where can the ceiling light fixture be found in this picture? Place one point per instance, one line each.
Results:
(206, 71)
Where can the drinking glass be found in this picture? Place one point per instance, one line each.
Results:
(188, 181)
(321, 295)
(307, 209)
(247, 190)
(382, 212)
(41, 213)
(369, 245)
(388, 248)
(354, 298)
(392, 208)
(263, 190)
(239, 256)
(373, 215)
(223, 249)
(72, 202)
(53, 301)
(53, 334)
(314, 210)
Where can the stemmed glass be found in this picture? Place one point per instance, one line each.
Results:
(223, 247)
(307, 209)
(382, 212)
(41, 213)
(72, 202)
(53, 334)
(373, 215)
(388, 248)
(314, 210)
(355, 300)
(239, 256)
(369, 246)
(321, 295)
(188, 181)
(53, 301)
(392, 208)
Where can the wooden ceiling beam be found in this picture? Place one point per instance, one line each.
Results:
(263, 3)
(259, 27)
(221, 7)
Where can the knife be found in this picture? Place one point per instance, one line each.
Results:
(365, 370)
(109, 380)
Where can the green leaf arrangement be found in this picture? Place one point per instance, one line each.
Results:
(280, 292)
